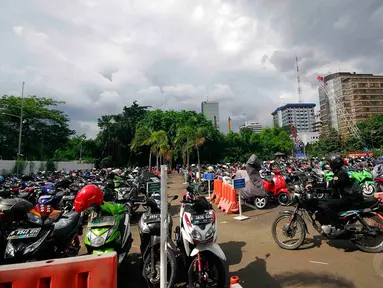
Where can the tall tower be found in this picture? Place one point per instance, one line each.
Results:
(299, 82)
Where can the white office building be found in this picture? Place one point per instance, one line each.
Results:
(254, 126)
(301, 115)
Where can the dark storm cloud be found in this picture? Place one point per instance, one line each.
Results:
(329, 30)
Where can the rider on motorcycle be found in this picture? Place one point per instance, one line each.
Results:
(344, 193)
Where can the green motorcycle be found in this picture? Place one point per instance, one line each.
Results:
(109, 230)
(366, 181)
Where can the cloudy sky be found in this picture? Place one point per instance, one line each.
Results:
(98, 55)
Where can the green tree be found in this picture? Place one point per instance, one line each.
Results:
(45, 128)
(328, 143)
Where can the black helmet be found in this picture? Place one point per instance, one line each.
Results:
(336, 162)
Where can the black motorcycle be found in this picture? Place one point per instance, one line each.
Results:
(362, 223)
(149, 228)
(40, 232)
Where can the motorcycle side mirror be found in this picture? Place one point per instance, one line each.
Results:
(175, 197)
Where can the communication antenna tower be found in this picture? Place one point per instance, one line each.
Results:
(299, 82)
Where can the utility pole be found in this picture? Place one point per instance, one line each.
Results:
(20, 130)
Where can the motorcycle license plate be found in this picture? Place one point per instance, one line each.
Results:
(68, 197)
(24, 233)
(102, 221)
(153, 218)
(201, 219)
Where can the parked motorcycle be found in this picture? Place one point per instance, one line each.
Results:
(196, 238)
(40, 232)
(275, 185)
(365, 180)
(109, 230)
(149, 229)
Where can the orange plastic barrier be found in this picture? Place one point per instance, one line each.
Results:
(217, 193)
(228, 202)
(92, 271)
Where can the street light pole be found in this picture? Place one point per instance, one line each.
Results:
(20, 130)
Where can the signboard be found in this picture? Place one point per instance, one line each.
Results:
(239, 183)
(360, 154)
(153, 187)
(300, 155)
(208, 176)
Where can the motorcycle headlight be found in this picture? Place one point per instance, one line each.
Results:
(34, 218)
(210, 233)
(96, 241)
(9, 250)
(143, 226)
(196, 235)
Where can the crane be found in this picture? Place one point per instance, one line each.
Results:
(341, 111)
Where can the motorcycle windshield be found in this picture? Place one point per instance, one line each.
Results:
(113, 208)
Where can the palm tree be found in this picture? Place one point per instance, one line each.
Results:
(143, 138)
(197, 141)
(191, 139)
(184, 140)
(160, 144)
(157, 140)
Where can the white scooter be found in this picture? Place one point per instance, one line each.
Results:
(196, 237)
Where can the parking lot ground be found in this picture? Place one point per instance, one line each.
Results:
(254, 256)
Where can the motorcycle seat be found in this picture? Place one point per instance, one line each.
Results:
(269, 178)
(365, 204)
(66, 224)
(15, 206)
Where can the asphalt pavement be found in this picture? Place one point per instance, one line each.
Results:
(254, 256)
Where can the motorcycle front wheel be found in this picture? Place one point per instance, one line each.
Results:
(368, 189)
(284, 199)
(212, 274)
(296, 229)
(153, 280)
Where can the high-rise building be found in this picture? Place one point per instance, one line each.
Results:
(211, 111)
(360, 94)
(254, 126)
(317, 125)
(301, 115)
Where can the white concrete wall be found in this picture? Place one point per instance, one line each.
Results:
(308, 137)
(35, 166)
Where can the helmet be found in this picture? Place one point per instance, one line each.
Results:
(88, 195)
(210, 168)
(336, 162)
(1, 179)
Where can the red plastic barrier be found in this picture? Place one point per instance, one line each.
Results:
(92, 271)
(217, 190)
(228, 203)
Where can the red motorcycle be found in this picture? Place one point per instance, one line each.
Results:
(276, 188)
